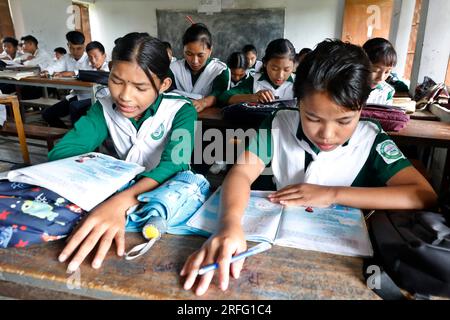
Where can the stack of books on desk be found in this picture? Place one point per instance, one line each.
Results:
(18, 73)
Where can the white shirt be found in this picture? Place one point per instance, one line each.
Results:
(68, 63)
(41, 59)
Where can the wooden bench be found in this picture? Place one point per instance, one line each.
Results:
(49, 134)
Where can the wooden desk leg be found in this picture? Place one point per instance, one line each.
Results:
(20, 130)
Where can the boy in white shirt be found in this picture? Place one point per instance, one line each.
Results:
(383, 57)
(67, 66)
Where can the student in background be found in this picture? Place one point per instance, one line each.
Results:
(238, 65)
(59, 53)
(67, 66)
(198, 76)
(300, 56)
(97, 60)
(274, 82)
(33, 56)
(251, 54)
(10, 52)
(321, 154)
(169, 51)
(10, 49)
(145, 125)
(383, 57)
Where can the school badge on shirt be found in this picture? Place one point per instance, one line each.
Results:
(389, 151)
(158, 133)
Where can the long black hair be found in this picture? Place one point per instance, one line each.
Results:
(278, 48)
(198, 32)
(237, 60)
(342, 70)
(148, 52)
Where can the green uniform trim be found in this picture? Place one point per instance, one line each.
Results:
(91, 131)
(375, 172)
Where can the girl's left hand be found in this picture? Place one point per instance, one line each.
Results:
(199, 105)
(104, 225)
(304, 194)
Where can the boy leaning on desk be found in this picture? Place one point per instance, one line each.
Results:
(321, 154)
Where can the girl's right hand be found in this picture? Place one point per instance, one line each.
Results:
(265, 96)
(218, 248)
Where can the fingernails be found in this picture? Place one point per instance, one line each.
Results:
(223, 286)
(73, 266)
(62, 258)
(96, 264)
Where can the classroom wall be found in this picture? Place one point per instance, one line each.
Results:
(400, 31)
(44, 19)
(307, 22)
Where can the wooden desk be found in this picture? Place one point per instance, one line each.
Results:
(14, 103)
(75, 84)
(280, 273)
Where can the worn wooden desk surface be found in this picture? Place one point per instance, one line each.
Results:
(280, 273)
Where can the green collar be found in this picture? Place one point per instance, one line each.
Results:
(265, 77)
(150, 112)
(202, 69)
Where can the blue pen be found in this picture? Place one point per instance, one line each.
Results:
(263, 246)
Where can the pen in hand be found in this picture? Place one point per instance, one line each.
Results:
(263, 246)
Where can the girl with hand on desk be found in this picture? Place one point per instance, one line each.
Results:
(274, 82)
(198, 76)
(321, 154)
(145, 125)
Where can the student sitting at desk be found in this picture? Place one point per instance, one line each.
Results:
(383, 57)
(10, 49)
(321, 154)
(198, 76)
(238, 65)
(170, 51)
(273, 83)
(59, 53)
(145, 126)
(254, 65)
(97, 61)
(33, 56)
(68, 66)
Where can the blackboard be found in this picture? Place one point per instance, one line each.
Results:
(231, 29)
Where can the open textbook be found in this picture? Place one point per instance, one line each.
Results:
(85, 180)
(336, 229)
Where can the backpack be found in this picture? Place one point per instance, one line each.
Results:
(253, 113)
(412, 252)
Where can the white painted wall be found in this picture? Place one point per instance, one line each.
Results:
(306, 22)
(401, 29)
(44, 19)
(433, 44)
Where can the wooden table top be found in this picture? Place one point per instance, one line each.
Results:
(280, 273)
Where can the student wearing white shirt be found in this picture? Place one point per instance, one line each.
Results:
(383, 57)
(10, 52)
(59, 53)
(97, 60)
(33, 56)
(10, 49)
(254, 65)
(68, 66)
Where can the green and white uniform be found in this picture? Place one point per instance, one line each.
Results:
(383, 93)
(167, 124)
(368, 159)
(260, 81)
(212, 80)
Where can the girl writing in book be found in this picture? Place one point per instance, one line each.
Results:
(144, 124)
(320, 154)
(274, 82)
(198, 76)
